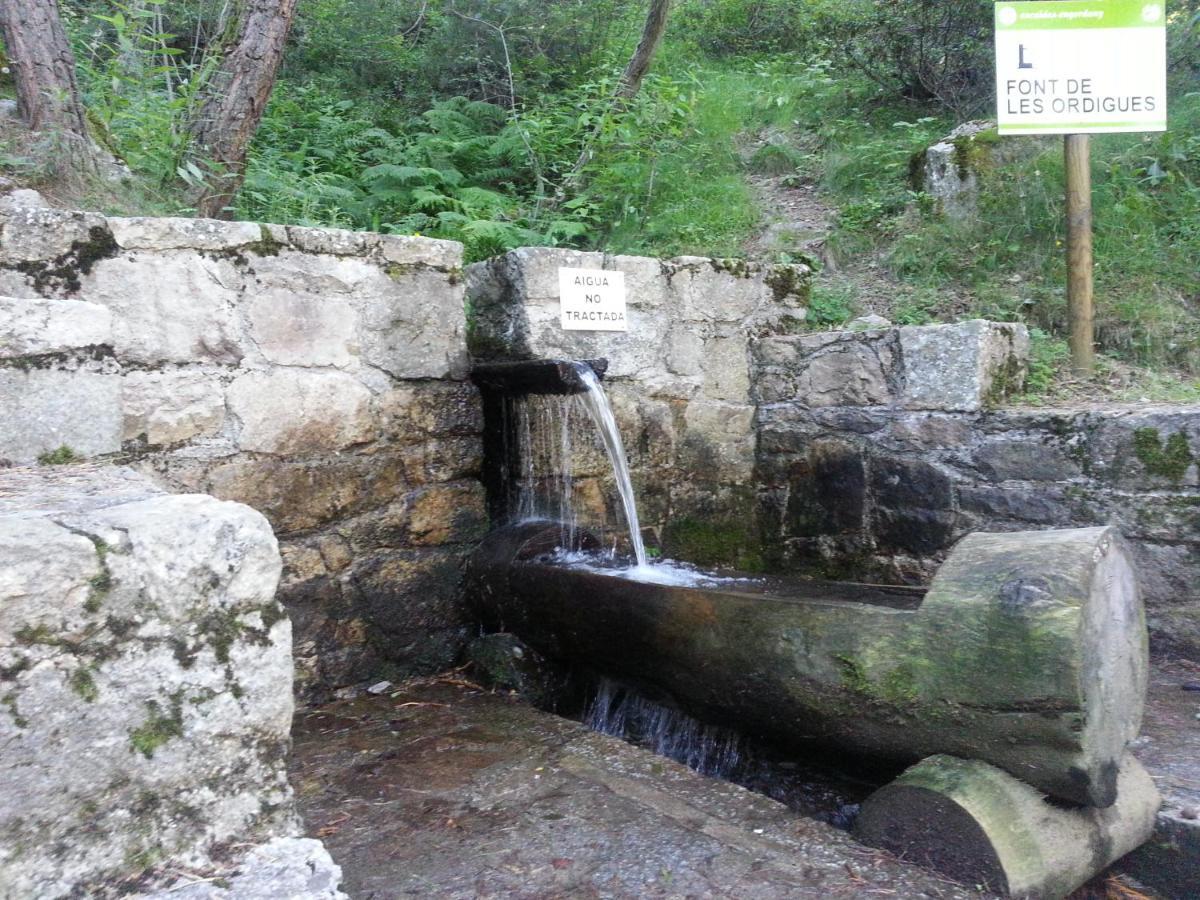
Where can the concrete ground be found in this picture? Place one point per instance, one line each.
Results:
(445, 790)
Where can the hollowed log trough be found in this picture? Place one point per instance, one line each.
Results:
(1028, 651)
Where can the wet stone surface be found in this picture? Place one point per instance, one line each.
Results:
(1169, 748)
(441, 790)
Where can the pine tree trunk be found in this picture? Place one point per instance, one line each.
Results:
(635, 71)
(44, 69)
(652, 35)
(236, 99)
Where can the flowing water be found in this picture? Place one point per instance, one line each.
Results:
(548, 445)
(597, 405)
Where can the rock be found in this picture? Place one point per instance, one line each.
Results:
(46, 409)
(210, 235)
(147, 703)
(22, 198)
(291, 868)
(868, 323)
(949, 171)
(828, 369)
(967, 366)
(295, 410)
(170, 407)
(171, 306)
(381, 687)
(39, 327)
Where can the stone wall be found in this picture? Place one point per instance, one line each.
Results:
(874, 459)
(679, 381)
(315, 375)
(145, 679)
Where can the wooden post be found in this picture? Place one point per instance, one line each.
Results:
(1080, 311)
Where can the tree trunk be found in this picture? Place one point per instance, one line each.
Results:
(983, 827)
(1028, 651)
(235, 101)
(639, 64)
(44, 69)
(635, 71)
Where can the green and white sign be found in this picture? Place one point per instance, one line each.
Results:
(1080, 66)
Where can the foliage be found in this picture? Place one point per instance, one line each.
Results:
(725, 28)
(923, 50)
(830, 306)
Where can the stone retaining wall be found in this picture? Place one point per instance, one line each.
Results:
(316, 375)
(872, 467)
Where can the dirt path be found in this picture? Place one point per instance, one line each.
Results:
(797, 220)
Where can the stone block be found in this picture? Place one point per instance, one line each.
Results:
(726, 369)
(403, 250)
(415, 326)
(1014, 459)
(949, 170)
(299, 495)
(45, 409)
(171, 406)
(919, 531)
(994, 507)
(295, 328)
(39, 327)
(298, 411)
(827, 491)
(34, 241)
(412, 412)
(404, 593)
(143, 233)
(447, 514)
(905, 483)
(1145, 449)
(172, 306)
(147, 704)
(964, 367)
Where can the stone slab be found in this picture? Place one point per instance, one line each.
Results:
(442, 790)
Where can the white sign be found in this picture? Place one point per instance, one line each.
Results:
(592, 300)
(1079, 66)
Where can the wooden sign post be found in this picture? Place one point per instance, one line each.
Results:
(1081, 313)
(1080, 67)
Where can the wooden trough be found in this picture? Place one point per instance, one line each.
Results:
(1028, 651)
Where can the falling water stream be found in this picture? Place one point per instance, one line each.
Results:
(601, 412)
(546, 427)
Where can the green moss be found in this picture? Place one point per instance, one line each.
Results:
(706, 542)
(1170, 460)
(64, 455)
(9, 702)
(788, 281)
(84, 685)
(738, 268)
(972, 152)
(160, 726)
(38, 634)
(853, 676)
(101, 583)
